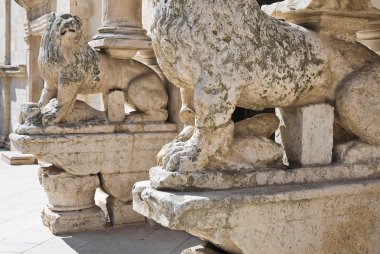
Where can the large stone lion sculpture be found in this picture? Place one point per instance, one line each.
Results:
(230, 53)
(70, 66)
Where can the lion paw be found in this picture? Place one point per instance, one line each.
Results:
(181, 156)
(50, 119)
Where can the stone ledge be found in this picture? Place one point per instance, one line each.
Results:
(219, 180)
(84, 154)
(95, 128)
(309, 218)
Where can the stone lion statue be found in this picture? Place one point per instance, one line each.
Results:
(70, 66)
(230, 53)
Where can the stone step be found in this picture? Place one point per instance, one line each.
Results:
(16, 158)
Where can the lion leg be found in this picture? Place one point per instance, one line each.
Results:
(358, 109)
(46, 95)
(187, 114)
(65, 103)
(147, 94)
(214, 104)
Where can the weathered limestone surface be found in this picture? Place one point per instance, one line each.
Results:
(84, 154)
(67, 192)
(307, 133)
(74, 221)
(310, 218)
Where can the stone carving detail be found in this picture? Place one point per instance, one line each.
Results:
(234, 54)
(70, 66)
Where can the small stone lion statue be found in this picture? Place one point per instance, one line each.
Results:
(231, 53)
(70, 66)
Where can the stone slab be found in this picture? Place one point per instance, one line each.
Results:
(310, 218)
(16, 158)
(122, 212)
(218, 180)
(74, 221)
(83, 154)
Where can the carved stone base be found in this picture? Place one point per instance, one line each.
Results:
(340, 217)
(122, 212)
(74, 221)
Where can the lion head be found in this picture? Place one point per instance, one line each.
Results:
(63, 48)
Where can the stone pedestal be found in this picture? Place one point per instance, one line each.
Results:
(119, 153)
(338, 217)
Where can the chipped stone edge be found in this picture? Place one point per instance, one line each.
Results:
(220, 180)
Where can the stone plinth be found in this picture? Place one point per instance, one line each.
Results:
(302, 218)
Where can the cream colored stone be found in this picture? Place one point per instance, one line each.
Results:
(115, 109)
(307, 133)
(320, 218)
(357, 152)
(283, 65)
(120, 185)
(257, 177)
(84, 154)
(74, 221)
(68, 192)
(122, 212)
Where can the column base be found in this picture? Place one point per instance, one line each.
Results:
(74, 221)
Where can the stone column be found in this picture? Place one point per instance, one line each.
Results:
(121, 34)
